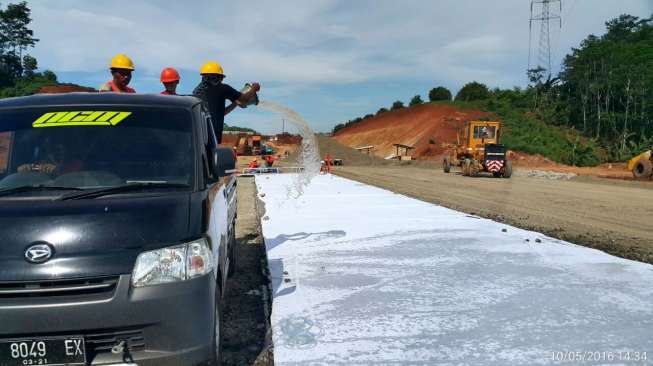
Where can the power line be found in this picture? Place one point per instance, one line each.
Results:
(541, 12)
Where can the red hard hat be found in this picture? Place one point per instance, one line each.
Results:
(169, 75)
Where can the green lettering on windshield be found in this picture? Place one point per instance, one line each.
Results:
(80, 118)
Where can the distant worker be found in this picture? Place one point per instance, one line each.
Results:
(214, 94)
(269, 160)
(328, 161)
(170, 80)
(121, 69)
(253, 164)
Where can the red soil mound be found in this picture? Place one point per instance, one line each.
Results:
(429, 128)
(59, 89)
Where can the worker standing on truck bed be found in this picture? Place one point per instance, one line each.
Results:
(121, 70)
(214, 94)
(170, 80)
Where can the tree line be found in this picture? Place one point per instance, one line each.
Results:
(605, 88)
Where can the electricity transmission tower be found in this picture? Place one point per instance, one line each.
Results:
(541, 12)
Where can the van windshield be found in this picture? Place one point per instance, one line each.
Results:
(86, 147)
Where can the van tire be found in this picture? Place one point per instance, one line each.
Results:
(233, 256)
(216, 352)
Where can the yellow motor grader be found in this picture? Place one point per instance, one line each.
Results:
(642, 165)
(478, 150)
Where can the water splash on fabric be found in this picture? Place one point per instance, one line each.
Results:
(309, 155)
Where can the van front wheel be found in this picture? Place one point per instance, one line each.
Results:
(233, 255)
(216, 356)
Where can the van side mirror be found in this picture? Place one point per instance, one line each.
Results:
(223, 162)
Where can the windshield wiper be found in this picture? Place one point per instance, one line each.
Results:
(21, 189)
(120, 189)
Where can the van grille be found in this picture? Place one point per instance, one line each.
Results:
(83, 286)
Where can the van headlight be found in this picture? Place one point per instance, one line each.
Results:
(173, 264)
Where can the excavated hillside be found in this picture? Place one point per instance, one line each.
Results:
(429, 128)
(60, 89)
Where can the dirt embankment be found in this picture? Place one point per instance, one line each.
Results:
(353, 157)
(433, 128)
(429, 128)
(538, 162)
(60, 89)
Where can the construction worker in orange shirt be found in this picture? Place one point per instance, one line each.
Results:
(328, 161)
(269, 160)
(170, 80)
(121, 70)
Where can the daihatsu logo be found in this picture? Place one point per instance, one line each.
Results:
(38, 253)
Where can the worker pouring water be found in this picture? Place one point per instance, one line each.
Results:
(214, 93)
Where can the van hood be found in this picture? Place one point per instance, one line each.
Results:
(91, 237)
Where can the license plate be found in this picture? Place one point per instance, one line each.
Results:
(44, 351)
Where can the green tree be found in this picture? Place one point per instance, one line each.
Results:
(397, 105)
(29, 66)
(338, 127)
(416, 101)
(15, 38)
(49, 75)
(439, 93)
(381, 110)
(473, 91)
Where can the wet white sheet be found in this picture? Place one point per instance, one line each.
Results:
(365, 276)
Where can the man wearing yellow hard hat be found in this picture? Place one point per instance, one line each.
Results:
(121, 70)
(214, 93)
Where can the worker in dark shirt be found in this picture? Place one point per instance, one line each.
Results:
(214, 94)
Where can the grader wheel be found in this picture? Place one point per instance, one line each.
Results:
(507, 169)
(473, 169)
(643, 169)
(466, 167)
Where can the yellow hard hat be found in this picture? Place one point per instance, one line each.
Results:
(211, 67)
(121, 61)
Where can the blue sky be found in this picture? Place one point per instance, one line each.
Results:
(330, 60)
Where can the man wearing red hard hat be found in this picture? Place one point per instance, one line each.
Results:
(170, 80)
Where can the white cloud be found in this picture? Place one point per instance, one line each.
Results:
(325, 41)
